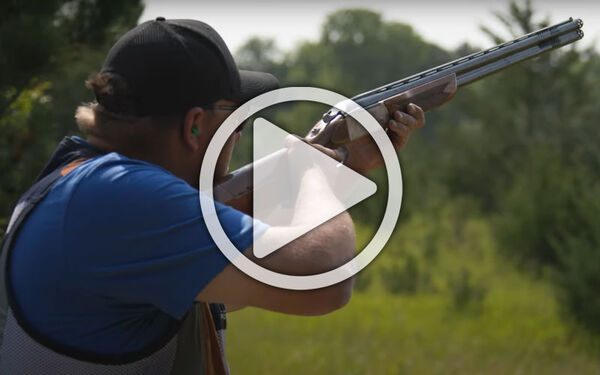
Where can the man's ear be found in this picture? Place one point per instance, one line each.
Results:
(192, 127)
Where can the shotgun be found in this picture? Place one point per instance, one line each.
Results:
(428, 89)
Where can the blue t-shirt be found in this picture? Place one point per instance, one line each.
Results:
(116, 254)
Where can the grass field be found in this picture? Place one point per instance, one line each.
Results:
(497, 320)
(518, 331)
(393, 335)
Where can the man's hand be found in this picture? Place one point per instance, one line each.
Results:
(364, 155)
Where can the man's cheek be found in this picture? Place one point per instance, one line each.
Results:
(225, 157)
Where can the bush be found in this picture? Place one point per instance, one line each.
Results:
(465, 292)
(550, 218)
(535, 208)
(362, 281)
(402, 279)
(578, 272)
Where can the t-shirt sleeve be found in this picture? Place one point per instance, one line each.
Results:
(140, 238)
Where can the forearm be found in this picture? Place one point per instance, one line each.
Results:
(315, 198)
(322, 249)
(317, 249)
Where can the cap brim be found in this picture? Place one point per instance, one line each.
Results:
(252, 84)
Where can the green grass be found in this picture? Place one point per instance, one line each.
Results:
(518, 331)
(513, 326)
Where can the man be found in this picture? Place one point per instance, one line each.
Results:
(107, 264)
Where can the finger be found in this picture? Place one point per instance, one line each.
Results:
(406, 119)
(398, 134)
(399, 140)
(418, 113)
(399, 128)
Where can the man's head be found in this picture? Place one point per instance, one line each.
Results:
(161, 95)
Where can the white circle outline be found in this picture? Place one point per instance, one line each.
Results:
(331, 277)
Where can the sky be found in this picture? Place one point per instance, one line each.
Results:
(446, 23)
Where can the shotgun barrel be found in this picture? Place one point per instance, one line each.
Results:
(436, 86)
(479, 64)
(535, 50)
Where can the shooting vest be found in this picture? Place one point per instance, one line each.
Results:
(197, 345)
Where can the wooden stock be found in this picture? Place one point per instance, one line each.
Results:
(342, 130)
(236, 188)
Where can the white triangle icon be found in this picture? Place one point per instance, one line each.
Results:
(276, 199)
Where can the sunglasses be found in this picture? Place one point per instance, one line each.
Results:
(228, 108)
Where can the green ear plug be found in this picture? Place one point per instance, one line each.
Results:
(195, 131)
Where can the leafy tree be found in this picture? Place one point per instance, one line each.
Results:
(47, 50)
(543, 167)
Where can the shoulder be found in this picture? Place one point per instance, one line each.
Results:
(118, 171)
(114, 188)
(114, 175)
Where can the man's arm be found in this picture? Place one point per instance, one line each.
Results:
(322, 249)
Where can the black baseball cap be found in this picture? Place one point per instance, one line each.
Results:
(173, 65)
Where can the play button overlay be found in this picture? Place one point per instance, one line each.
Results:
(277, 158)
(271, 142)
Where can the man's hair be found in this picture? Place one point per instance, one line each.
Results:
(119, 125)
